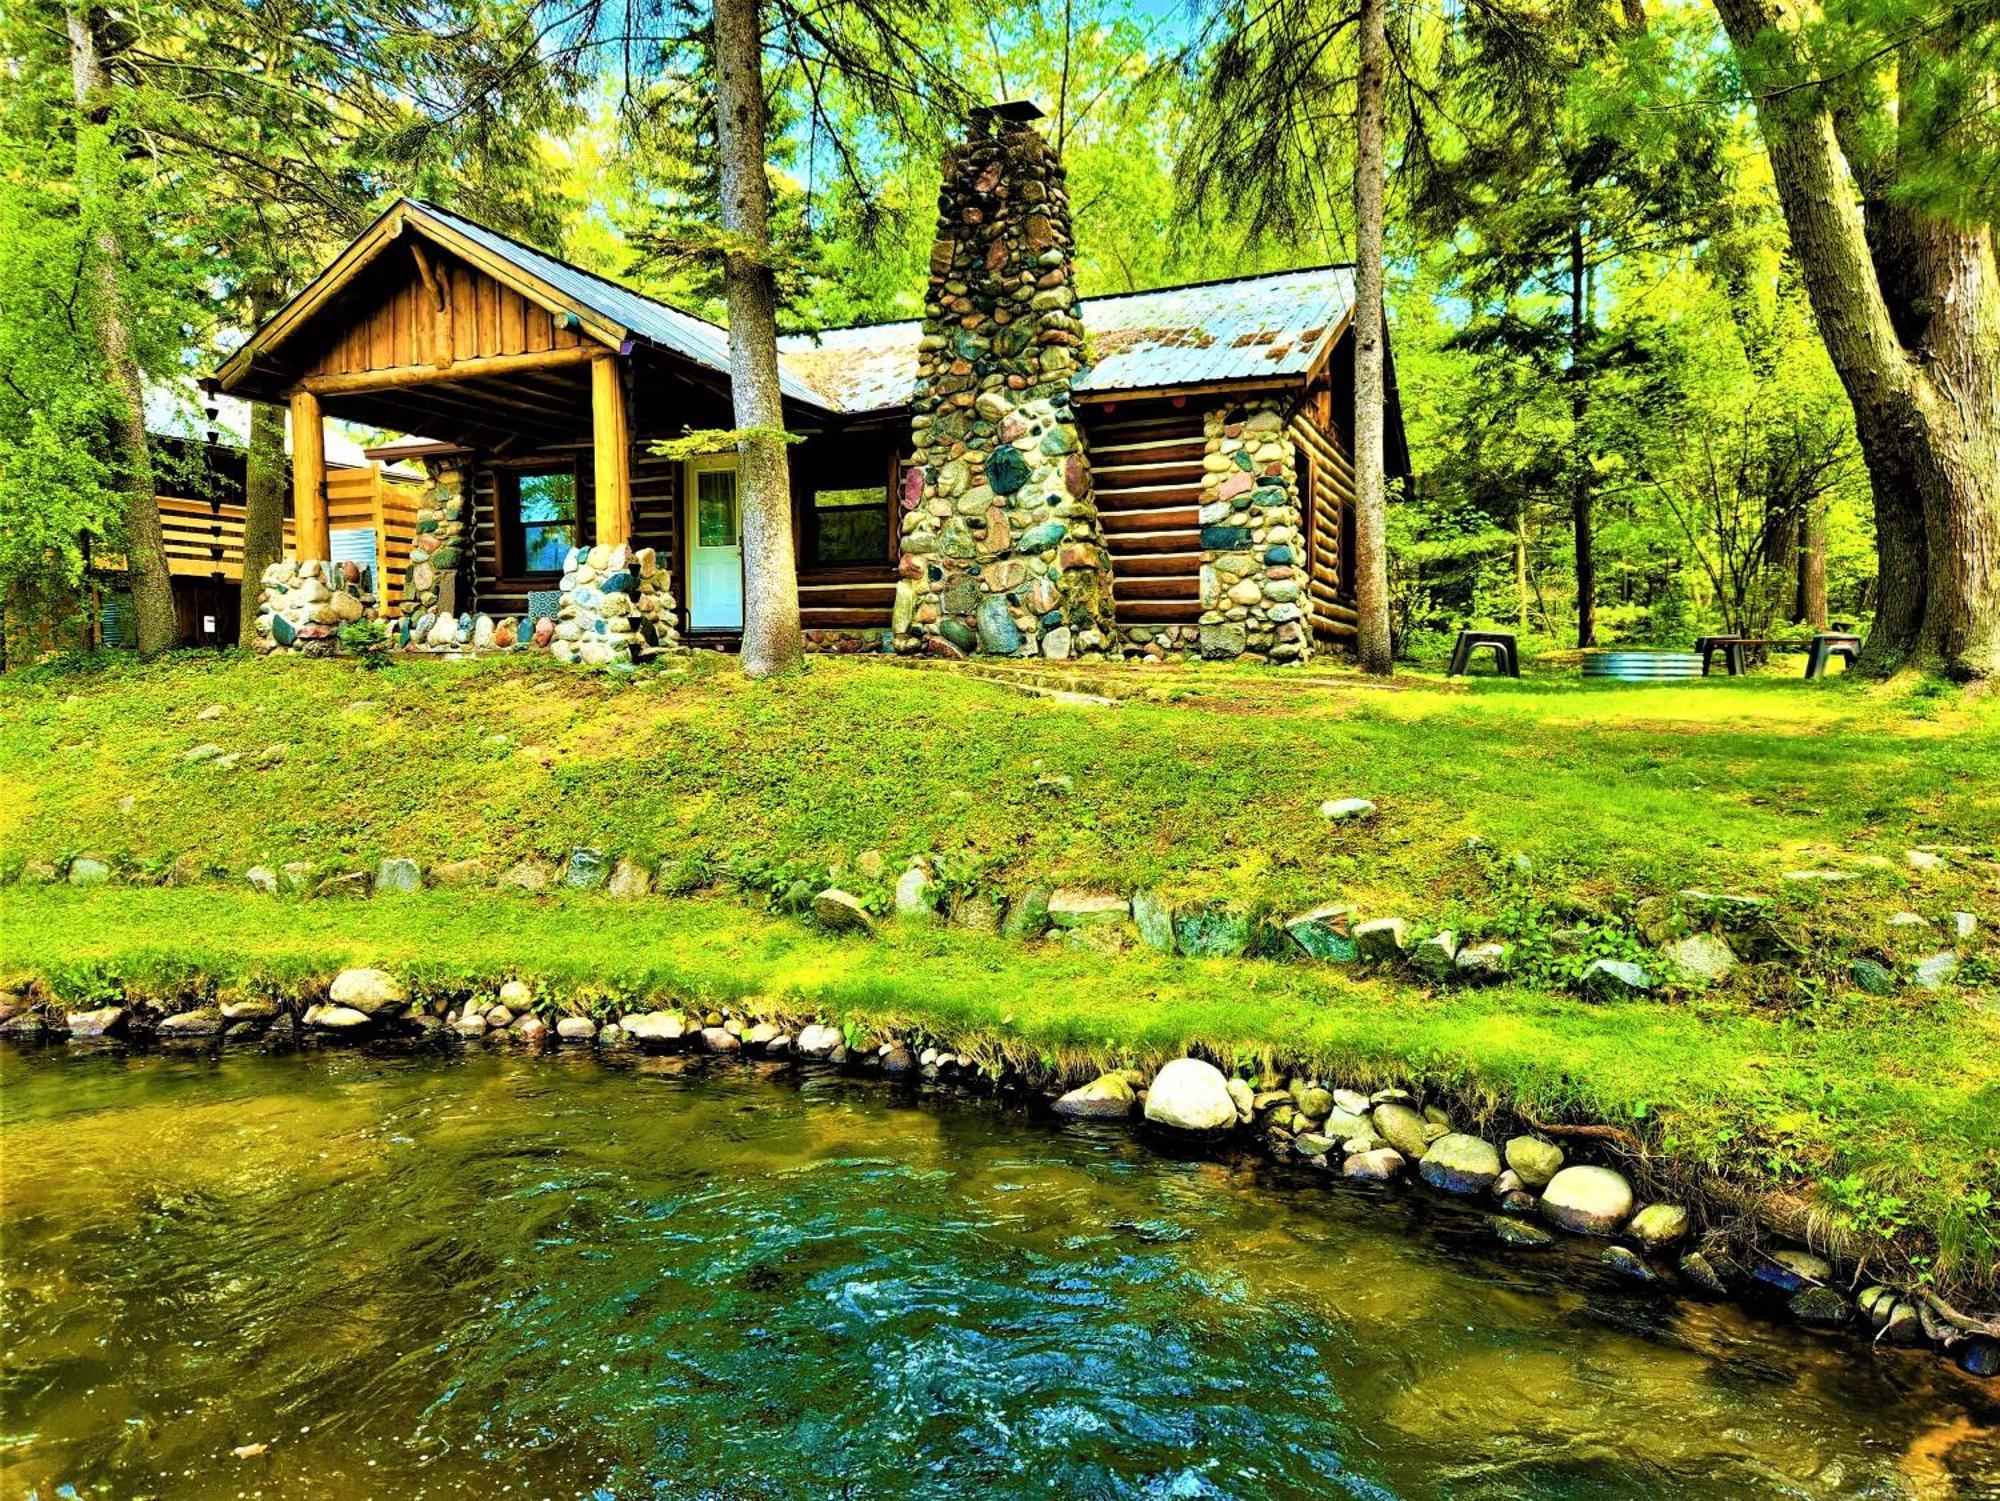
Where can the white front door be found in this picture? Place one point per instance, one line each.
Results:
(715, 546)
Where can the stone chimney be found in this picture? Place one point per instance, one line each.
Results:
(1001, 549)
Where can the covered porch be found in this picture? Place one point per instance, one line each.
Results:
(540, 392)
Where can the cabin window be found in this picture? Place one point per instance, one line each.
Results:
(849, 527)
(538, 519)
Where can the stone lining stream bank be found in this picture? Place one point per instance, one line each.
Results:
(1536, 1183)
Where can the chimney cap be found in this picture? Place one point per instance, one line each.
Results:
(1020, 111)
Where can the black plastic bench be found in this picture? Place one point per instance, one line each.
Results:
(1506, 656)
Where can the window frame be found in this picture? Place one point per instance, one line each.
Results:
(512, 528)
(810, 532)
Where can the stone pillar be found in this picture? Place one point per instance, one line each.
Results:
(617, 606)
(1001, 548)
(1253, 575)
(305, 602)
(437, 552)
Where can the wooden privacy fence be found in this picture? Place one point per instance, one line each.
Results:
(205, 537)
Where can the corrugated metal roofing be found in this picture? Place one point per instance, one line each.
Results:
(1247, 328)
(669, 327)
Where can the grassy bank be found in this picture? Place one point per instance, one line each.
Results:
(1505, 810)
(1885, 1116)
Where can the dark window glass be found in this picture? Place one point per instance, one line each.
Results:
(538, 510)
(850, 526)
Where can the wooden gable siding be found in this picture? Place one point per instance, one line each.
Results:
(1145, 465)
(391, 319)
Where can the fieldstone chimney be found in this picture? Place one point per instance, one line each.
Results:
(1001, 548)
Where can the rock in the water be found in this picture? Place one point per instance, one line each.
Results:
(1460, 1164)
(656, 1028)
(1628, 1264)
(1534, 1159)
(1979, 1356)
(1519, 1233)
(841, 912)
(397, 875)
(817, 1041)
(1107, 1097)
(1658, 1226)
(1379, 1165)
(1700, 1273)
(337, 1018)
(898, 1060)
(1588, 1200)
(1403, 1129)
(530, 1029)
(1822, 1308)
(1380, 940)
(1190, 1095)
(201, 1021)
(576, 1029)
(1702, 956)
(1346, 809)
(720, 1040)
(373, 992)
(104, 1021)
(1790, 1270)
(1613, 979)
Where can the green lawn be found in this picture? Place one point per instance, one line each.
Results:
(1884, 1110)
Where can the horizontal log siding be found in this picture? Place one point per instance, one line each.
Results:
(1332, 479)
(1145, 465)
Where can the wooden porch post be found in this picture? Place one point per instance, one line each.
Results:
(611, 451)
(309, 518)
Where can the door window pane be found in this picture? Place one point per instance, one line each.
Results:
(715, 508)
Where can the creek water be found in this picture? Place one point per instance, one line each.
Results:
(496, 1276)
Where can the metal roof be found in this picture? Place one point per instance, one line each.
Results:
(694, 338)
(1246, 328)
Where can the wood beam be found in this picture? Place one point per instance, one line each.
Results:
(309, 513)
(440, 307)
(611, 451)
(397, 377)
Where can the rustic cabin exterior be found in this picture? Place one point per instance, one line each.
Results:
(1159, 473)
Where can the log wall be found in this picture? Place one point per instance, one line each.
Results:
(1146, 467)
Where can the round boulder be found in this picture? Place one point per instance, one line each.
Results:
(1378, 1165)
(1535, 1160)
(1190, 1095)
(1108, 1097)
(1403, 1129)
(374, 992)
(818, 1041)
(1587, 1200)
(1460, 1164)
(1658, 1226)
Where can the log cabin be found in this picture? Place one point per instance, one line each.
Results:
(1162, 473)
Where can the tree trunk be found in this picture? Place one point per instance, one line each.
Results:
(1581, 499)
(144, 542)
(1521, 565)
(771, 637)
(1915, 338)
(263, 493)
(1371, 555)
(1812, 567)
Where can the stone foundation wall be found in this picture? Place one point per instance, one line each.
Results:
(617, 606)
(303, 605)
(1001, 548)
(431, 585)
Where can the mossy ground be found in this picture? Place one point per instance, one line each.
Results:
(1885, 1111)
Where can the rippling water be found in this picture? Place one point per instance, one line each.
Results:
(498, 1276)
